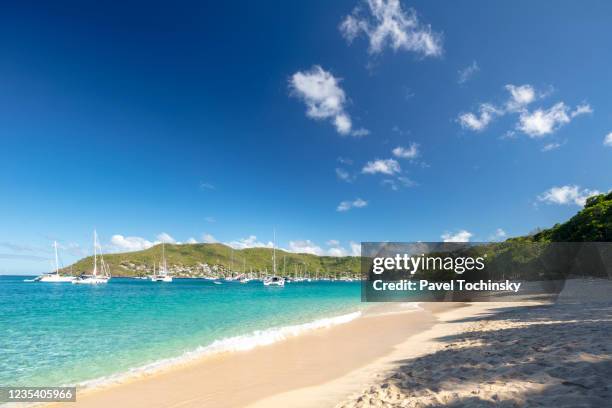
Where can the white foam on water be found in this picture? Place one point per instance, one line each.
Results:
(246, 342)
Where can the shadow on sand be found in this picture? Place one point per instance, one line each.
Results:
(537, 356)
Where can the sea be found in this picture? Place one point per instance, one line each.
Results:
(54, 334)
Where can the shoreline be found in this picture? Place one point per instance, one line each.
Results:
(450, 319)
(239, 378)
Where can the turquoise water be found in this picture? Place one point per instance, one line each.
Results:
(59, 333)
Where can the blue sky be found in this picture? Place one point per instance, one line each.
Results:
(154, 121)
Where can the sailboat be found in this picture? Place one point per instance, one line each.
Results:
(162, 275)
(274, 280)
(244, 278)
(53, 277)
(97, 276)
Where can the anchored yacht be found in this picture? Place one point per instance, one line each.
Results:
(97, 276)
(162, 275)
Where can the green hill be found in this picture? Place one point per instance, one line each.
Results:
(592, 224)
(196, 260)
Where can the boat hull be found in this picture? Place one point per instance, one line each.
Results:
(90, 281)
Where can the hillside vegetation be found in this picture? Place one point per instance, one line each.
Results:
(592, 224)
(203, 259)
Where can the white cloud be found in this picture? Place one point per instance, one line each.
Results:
(164, 237)
(347, 205)
(498, 235)
(486, 113)
(339, 251)
(406, 152)
(344, 175)
(460, 236)
(535, 124)
(309, 247)
(387, 24)
(361, 132)
(388, 166)
(468, 72)
(209, 239)
(345, 160)
(397, 183)
(551, 146)
(608, 140)
(581, 110)
(305, 247)
(122, 243)
(207, 186)
(323, 97)
(249, 242)
(542, 122)
(564, 195)
(191, 241)
(355, 248)
(520, 96)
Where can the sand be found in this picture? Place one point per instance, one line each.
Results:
(448, 355)
(509, 356)
(240, 378)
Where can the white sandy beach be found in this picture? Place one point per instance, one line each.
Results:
(548, 356)
(451, 355)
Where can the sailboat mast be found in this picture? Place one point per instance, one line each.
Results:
(95, 269)
(164, 257)
(56, 260)
(274, 253)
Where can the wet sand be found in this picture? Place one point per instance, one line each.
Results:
(241, 378)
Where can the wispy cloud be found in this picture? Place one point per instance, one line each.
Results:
(347, 205)
(459, 236)
(608, 140)
(498, 235)
(542, 122)
(520, 97)
(206, 186)
(535, 123)
(551, 146)
(564, 195)
(324, 98)
(249, 242)
(468, 72)
(480, 121)
(344, 175)
(398, 183)
(119, 242)
(209, 238)
(305, 247)
(387, 166)
(385, 23)
(410, 152)
(166, 238)
(210, 219)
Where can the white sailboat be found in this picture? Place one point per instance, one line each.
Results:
(162, 275)
(53, 277)
(274, 280)
(97, 276)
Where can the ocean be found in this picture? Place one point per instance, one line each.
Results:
(55, 334)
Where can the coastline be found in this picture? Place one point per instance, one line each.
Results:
(444, 353)
(242, 377)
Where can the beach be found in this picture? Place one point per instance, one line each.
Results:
(480, 354)
(241, 378)
(556, 355)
